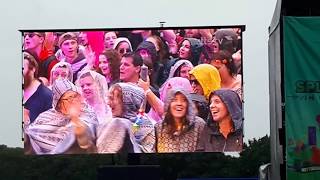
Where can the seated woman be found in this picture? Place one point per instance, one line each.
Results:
(224, 132)
(67, 128)
(125, 100)
(180, 129)
(94, 90)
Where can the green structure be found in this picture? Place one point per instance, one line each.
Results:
(301, 40)
(294, 64)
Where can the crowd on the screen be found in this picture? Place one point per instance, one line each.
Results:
(90, 92)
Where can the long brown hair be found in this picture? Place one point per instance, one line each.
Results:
(168, 118)
(114, 63)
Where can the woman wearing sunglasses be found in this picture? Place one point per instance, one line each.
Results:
(122, 45)
(204, 79)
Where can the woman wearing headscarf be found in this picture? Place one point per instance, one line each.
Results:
(94, 89)
(61, 70)
(180, 129)
(67, 128)
(224, 132)
(156, 103)
(125, 100)
(181, 69)
(122, 45)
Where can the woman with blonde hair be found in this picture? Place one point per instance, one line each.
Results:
(94, 90)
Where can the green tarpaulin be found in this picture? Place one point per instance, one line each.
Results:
(301, 38)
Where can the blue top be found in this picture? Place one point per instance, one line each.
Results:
(40, 101)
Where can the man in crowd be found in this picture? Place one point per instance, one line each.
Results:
(36, 43)
(130, 67)
(130, 71)
(68, 43)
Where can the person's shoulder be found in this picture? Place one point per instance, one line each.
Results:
(45, 88)
(47, 116)
(171, 61)
(120, 123)
(51, 111)
(44, 91)
(158, 125)
(199, 121)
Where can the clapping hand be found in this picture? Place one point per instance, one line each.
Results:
(74, 114)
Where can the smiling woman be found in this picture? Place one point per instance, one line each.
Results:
(109, 65)
(168, 103)
(180, 130)
(94, 90)
(225, 126)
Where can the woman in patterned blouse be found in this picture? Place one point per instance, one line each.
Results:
(180, 129)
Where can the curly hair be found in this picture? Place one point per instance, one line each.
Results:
(114, 63)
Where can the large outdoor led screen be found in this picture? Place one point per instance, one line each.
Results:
(146, 90)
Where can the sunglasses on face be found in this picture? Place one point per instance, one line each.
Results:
(122, 50)
(31, 35)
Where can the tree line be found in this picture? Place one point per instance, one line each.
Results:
(15, 165)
